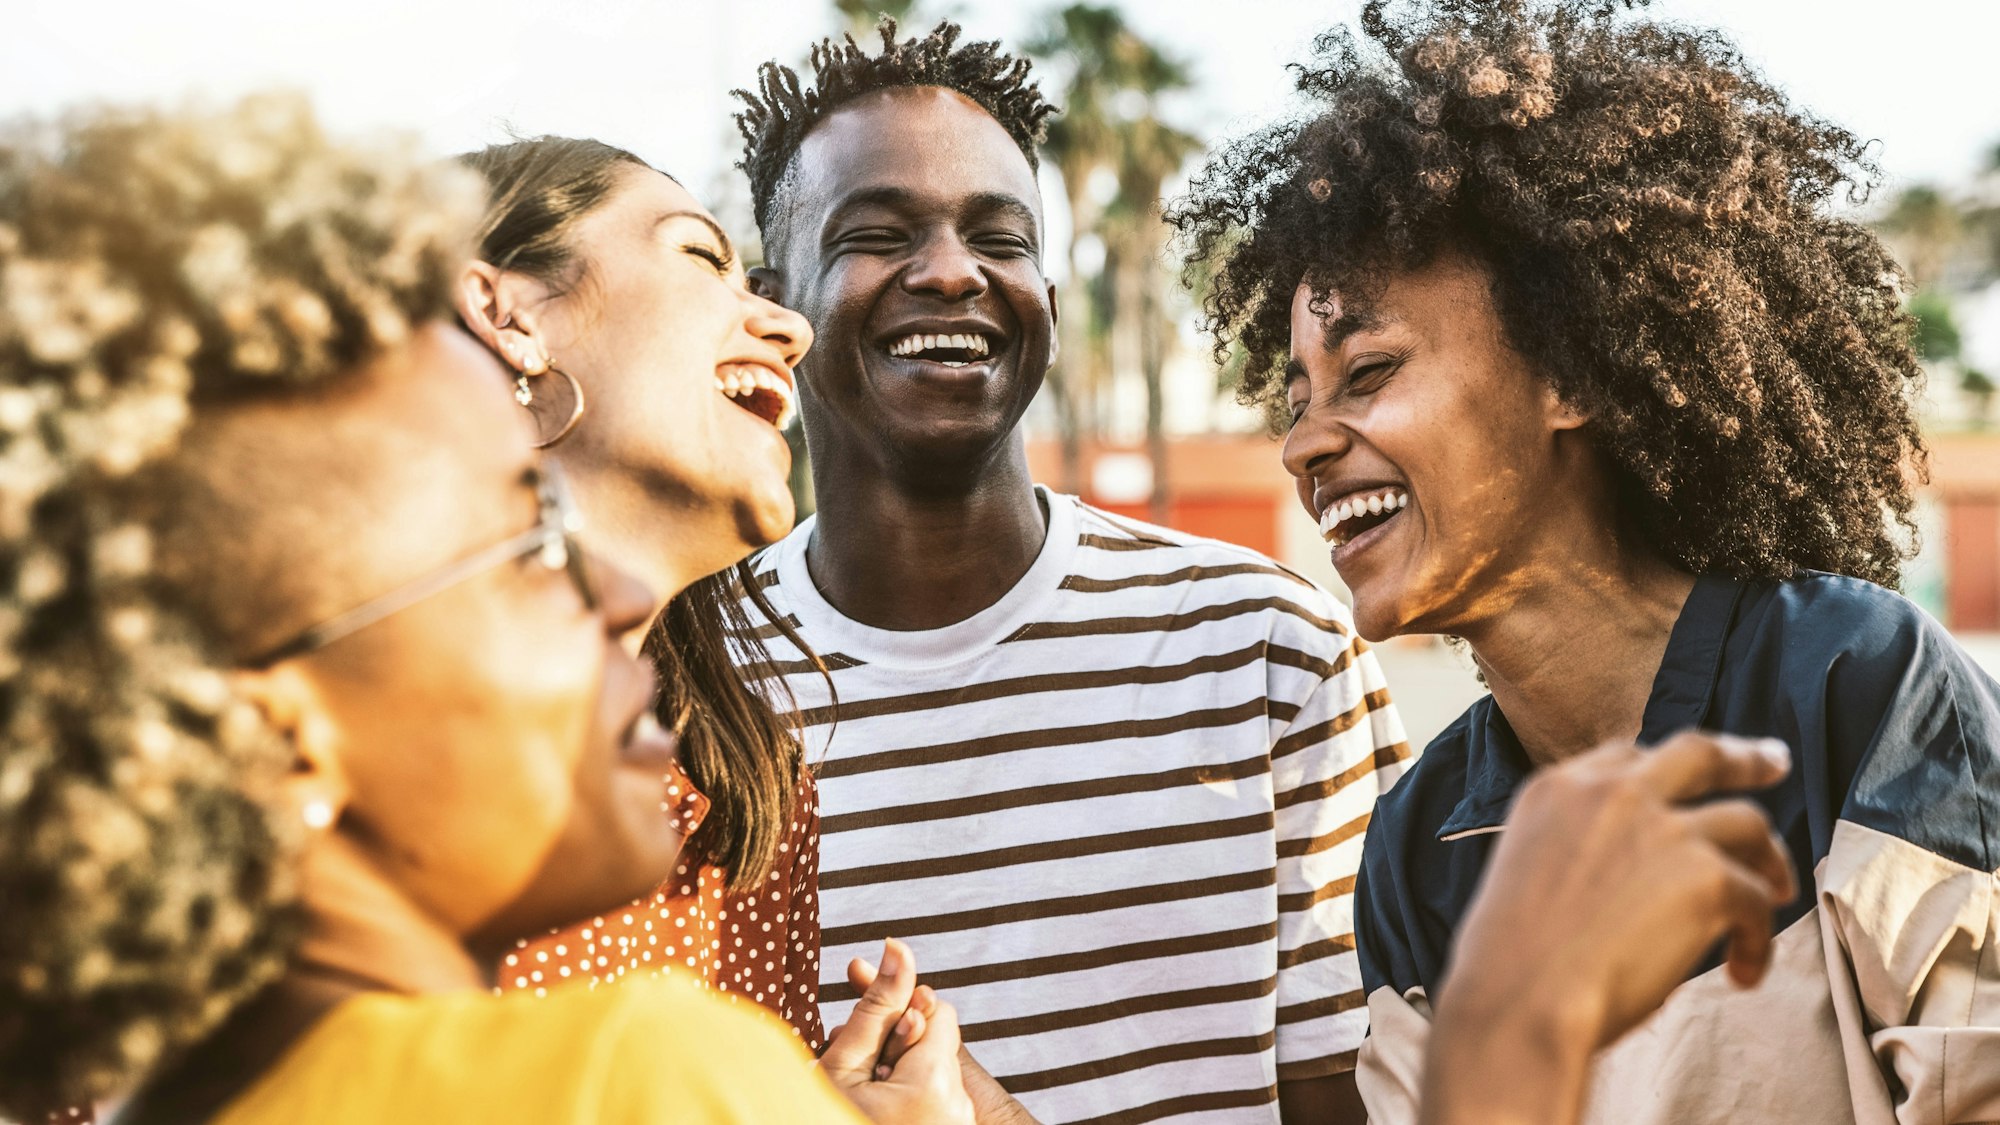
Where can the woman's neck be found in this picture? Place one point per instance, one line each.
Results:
(650, 533)
(362, 935)
(363, 928)
(1572, 660)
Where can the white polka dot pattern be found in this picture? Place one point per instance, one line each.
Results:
(760, 944)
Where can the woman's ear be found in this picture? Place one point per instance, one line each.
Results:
(492, 304)
(317, 788)
(1561, 415)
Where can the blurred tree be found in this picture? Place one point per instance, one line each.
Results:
(1152, 152)
(1937, 331)
(1926, 229)
(1114, 153)
(861, 16)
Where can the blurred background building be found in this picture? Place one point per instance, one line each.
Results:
(1138, 417)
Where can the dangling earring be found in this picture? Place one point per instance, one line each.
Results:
(533, 365)
(318, 814)
(553, 419)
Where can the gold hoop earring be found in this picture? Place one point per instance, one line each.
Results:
(555, 414)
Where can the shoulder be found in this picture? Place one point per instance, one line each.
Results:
(767, 562)
(1827, 613)
(648, 1049)
(663, 1048)
(1846, 648)
(1883, 705)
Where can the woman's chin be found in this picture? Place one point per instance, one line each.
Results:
(1377, 619)
(765, 517)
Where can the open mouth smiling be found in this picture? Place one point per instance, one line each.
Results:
(757, 389)
(951, 349)
(1358, 513)
(939, 348)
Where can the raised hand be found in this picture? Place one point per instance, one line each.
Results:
(921, 1081)
(1613, 878)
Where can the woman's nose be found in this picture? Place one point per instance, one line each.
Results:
(787, 330)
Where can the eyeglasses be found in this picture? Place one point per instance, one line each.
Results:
(552, 540)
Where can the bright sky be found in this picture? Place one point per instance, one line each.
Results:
(652, 75)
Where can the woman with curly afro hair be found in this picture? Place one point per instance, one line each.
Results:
(310, 701)
(1582, 363)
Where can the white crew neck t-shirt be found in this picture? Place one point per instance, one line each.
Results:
(1117, 815)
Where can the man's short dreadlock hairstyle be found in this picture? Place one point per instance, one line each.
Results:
(776, 119)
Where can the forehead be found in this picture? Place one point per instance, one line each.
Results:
(935, 145)
(641, 196)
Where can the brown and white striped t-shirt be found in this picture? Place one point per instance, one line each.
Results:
(1117, 815)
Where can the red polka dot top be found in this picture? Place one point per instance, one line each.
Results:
(759, 945)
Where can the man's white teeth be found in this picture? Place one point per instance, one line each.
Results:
(743, 381)
(974, 344)
(1330, 521)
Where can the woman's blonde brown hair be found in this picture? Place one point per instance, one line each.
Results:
(153, 266)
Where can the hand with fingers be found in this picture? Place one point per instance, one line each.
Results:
(1617, 872)
(991, 1103)
(896, 1057)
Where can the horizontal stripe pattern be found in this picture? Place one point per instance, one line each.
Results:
(1117, 816)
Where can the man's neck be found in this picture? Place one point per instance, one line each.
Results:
(1572, 663)
(896, 557)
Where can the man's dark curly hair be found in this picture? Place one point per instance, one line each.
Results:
(776, 118)
(1657, 222)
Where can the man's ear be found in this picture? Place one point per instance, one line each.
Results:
(494, 304)
(1055, 325)
(768, 284)
(317, 789)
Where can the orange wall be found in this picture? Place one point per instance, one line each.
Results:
(1224, 486)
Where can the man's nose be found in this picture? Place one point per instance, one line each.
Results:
(946, 267)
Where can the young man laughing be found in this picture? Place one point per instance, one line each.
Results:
(1109, 779)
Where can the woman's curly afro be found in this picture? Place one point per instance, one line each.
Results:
(1658, 222)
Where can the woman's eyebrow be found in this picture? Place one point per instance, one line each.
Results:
(728, 247)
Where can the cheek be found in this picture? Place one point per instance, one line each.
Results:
(653, 360)
(482, 746)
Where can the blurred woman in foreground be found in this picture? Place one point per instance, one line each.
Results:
(309, 702)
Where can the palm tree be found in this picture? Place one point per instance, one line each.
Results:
(863, 15)
(1111, 131)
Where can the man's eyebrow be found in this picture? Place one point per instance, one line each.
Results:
(722, 236)
(1013, 206)
(1294, 369)
(902, 199)
(894, 198)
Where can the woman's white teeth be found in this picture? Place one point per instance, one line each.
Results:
(973, 344)
(746, 380)
(1330, 521)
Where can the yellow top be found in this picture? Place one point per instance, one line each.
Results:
(651, 1049)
